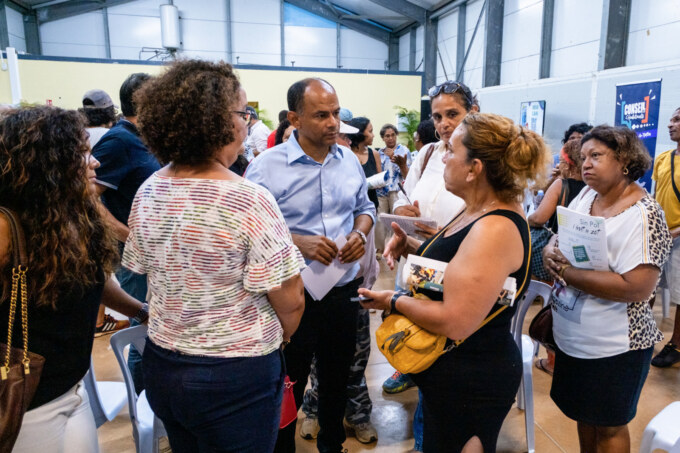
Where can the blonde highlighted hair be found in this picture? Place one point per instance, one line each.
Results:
(512, 155)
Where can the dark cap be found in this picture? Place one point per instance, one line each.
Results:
(97, 99)
(252, 112)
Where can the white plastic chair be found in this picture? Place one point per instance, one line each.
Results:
(663, 431)
(107, 398)
(525, 397)
(666, 302)
(675, 448)
(147, 429)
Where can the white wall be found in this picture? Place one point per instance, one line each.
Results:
(361, 53)
(576, 37)
(447, 41)
(78, 36)
(420, 45)
(132, 26)
(588, 97)
(520, 58)
(255, 32)
(404, 51)
(15, 27)
(473, 70)
(654, 28)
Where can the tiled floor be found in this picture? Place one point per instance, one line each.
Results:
(392, 413)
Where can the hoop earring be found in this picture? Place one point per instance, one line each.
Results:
(436, 134)
(625, 171)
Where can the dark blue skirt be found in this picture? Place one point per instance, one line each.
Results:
(600, 392)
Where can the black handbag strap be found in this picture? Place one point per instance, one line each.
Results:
(675, 188)
(428, 155)
(564, 193)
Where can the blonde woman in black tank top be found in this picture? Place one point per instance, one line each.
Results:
(465, 399)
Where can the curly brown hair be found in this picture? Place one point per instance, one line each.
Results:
(512, 155)
(185, 115)
(628, 148)
(43, 179)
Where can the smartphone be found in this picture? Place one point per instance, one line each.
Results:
(360, 299)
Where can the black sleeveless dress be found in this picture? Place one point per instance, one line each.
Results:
(370, 169)
(469, 390)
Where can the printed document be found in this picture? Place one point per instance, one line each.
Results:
(319, 278)
(408, 224)
(582, 239)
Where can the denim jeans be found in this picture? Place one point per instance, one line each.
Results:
(418, 424)
(214, 404)
(135, 285)
(328, 331)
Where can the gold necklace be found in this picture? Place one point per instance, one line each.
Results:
(460, 222)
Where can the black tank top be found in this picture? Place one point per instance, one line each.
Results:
(445, 248)
(370, 169)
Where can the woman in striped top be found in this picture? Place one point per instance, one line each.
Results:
(223, 271)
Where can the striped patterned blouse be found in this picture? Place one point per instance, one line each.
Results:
(212, 249)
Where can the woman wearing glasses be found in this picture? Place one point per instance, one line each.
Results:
(223, 270)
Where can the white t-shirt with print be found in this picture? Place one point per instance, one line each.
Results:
(590, 327)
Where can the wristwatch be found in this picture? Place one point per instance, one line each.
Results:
(143, 314)
(393, 301)
(361, 234)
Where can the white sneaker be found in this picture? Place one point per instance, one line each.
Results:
(364, 432)
(310, 428)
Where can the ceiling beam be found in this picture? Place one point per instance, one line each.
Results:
(327, 12)
(74, 8)
(18, 5)
(404, 8)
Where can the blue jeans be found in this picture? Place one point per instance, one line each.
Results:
(135, 285)
(214, 404)
(418, 424)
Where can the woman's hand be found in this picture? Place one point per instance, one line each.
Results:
(409, 210)
(553, 261)
(426, 231)
(380, 300)
(397, 246)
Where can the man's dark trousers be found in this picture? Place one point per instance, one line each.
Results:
(327, 330)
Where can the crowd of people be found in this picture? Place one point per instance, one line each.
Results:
(189, 214)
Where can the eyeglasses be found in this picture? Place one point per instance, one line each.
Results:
(244, 115)
(450, 87)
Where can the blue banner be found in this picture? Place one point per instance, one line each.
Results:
(637, 107)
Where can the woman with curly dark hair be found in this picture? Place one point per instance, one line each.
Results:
(47, 178)
(224, 274)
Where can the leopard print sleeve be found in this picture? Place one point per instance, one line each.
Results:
(642, 331)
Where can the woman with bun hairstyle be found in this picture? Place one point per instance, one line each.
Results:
(469, 390)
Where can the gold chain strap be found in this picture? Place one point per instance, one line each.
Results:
(24, 317)
(12, 310)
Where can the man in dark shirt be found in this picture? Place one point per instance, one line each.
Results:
(125, 164)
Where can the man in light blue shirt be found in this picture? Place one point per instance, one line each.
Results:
(321, 191)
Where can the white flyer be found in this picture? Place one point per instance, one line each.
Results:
(582, 239)
(408, 224)
(319, 278)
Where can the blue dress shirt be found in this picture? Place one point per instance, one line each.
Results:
(315, 199)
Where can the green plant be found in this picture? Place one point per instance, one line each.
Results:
(261, 114)
(409, 120)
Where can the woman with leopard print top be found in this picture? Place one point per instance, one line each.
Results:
(602, 320)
